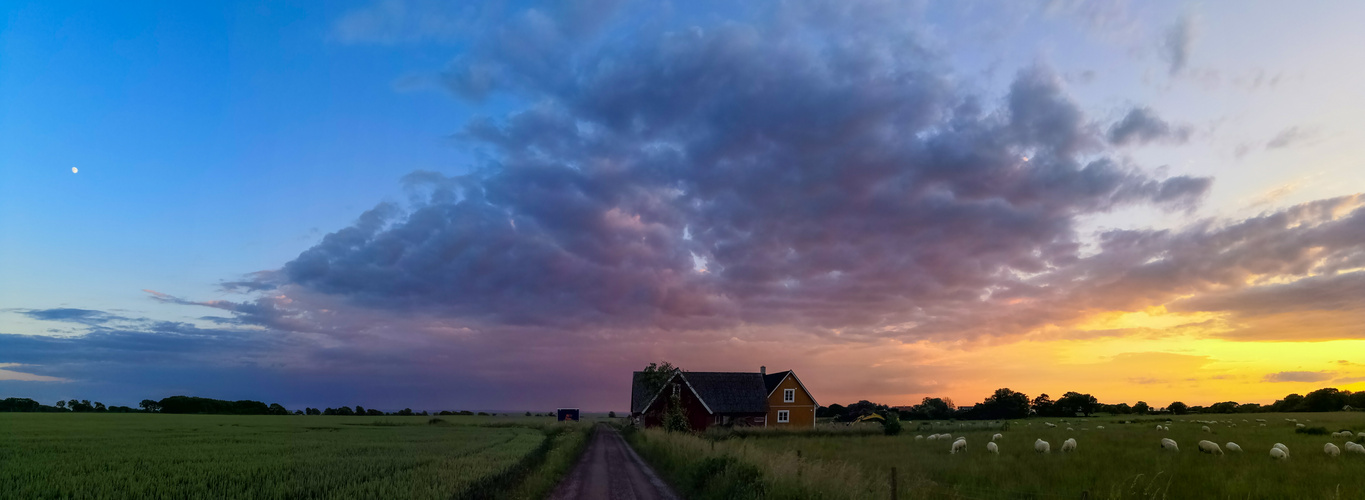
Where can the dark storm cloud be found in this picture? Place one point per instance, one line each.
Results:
(823, 176)
(1141, 125)
(1176, 45)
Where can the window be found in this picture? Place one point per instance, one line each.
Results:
(677, 389)
(788, 395)
(783, 416)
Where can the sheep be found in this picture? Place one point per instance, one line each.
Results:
(1169, 444)
(1049, 424)
(1331, 450)
(1278, 454)
(1042, 446)
(1260, 420)
(993, 448)
(1206, 429)
(1158, 427)
(1339, 434)
(919, 437)
(1231, 446)
(1360, 434)
(997, 436)
(1262, 425)
(1210, 447)
(1099, 427)
(1069, 445)
(1352, 447)
(959, 445)
(1299, 426)
(932, 437)
(1283, 448)
(1068, 429)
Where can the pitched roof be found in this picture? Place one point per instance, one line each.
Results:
(721, 392)
(730, 392)
(772, 379)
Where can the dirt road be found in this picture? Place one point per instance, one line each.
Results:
(610, 470)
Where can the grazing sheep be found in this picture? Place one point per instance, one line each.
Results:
(1169, 444)
(1299, 426)
(1206, 429)
(1262, 425)
(1069, 445)
(1210, 447)
(1283, 448)
(1342, 434)
(1070, 429)
(959, 445)
(1158, 427)
(1331, 450)
(1278, 454)
(932, 437)
(919, 437)
(991, 447)
(1360, 434)
(1231, 446)
(1049, 424)
(1042, 446)
(1260, 420)
(1099, 427)
(997, 436)
(1352, 447)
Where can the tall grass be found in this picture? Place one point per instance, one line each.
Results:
(566, 444)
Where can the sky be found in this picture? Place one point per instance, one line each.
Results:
(513, 205)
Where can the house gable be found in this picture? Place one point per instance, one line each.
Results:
(788, 380)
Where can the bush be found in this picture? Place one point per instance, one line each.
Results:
(892, 424)
(436, 421)
(1316, 431)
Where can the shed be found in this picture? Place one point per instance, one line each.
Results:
(568, 414)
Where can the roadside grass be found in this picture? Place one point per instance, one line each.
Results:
(1122, 461)
(566, 446)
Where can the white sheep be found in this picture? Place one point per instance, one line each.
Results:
(1158, 427)
(1049, 424)
(1210, 447)
(959, 445)
(932, 437)
(1169, 444)
(1283, 448)
(1231, 446)
(1352, 447)
(997, 436)
(945, 436)
(1360, 434)
(1278, 454)
(1260, 420)
(1099, 427)
(993, 448)
(1069, 445)
(1206, 429)
(1042, 446)
(1070, 429)
(1299, 426)
(1262, 425)
(1331, 450)
(919, 437)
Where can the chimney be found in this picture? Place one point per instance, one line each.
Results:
(762, 370)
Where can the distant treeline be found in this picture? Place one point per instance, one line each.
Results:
(207, 406)
(1007, 404)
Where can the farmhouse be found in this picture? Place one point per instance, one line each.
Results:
(726, 398)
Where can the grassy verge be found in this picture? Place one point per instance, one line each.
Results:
(564, 448)
(703, 469)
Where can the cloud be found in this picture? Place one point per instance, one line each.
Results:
(1177, 44)
(7, 374)
(1141, 125)
(84, 316)
(1298, 377)
(1347, 380)
(1288, 137)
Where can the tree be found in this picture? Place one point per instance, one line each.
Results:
(1292, 402)
(1141, 408)
(528, 413)
(1356, 400)
(1177, 408)
(1005, 404)
(657, 374)
(1326, 399)
(407, 412)
(1072, 403)
(835, 411)
(345, 411)
(611, 414)
(149, 406)
(1043, 405)
(1224, 407)
(675, 417)
(61, 405)
(278, 409)
(936, 408)
(1121, 409)
(891, 424)
(359, 410)
(298, 412)
(100, 406)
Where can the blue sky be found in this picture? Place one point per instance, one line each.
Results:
(222, 143)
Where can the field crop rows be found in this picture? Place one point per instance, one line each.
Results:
(203, 456)
(1122, 461)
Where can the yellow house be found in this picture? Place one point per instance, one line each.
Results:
(789, 403)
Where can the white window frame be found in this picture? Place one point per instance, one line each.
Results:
(788, 395)
(783, 416)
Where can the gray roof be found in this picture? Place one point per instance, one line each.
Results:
(772, 379)
(722, 392)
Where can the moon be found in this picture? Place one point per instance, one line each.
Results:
(73, 170)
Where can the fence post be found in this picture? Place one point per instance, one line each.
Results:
(893, 483)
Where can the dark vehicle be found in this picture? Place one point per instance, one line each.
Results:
(568, 414)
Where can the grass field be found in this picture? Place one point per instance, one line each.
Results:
(206, 456)
(1122, 461)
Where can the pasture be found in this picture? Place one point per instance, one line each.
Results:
(44, 455)
(1121, 461)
